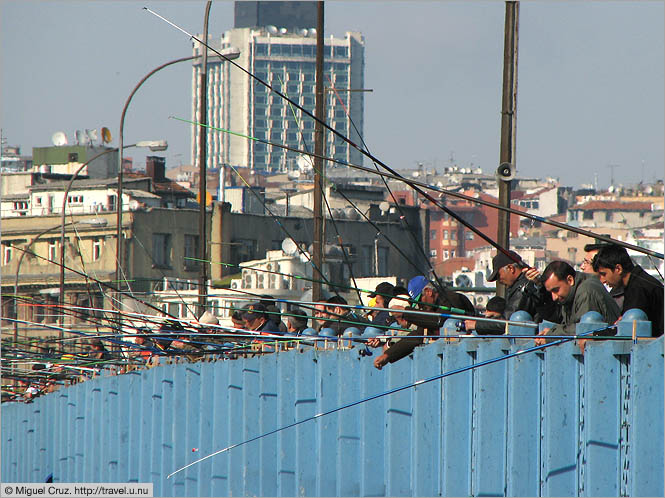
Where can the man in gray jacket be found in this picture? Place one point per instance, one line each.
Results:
(577, 293)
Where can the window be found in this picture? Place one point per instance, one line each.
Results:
(52, 250)
(161, 249)
(73, 157)
(191, 250)
(20, 205)
(383, 260)
(445, 235)
(587, 215)
(432, 253)
(452, 253)
(469, 235)
(453, 235)
(366, 260)
(445, 254)
(75, 199)
(6, 254)
(261, 49)
(608, 215)
(96, 249)
(38, 201)
(110, 202)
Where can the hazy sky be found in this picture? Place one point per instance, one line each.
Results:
(590, 83)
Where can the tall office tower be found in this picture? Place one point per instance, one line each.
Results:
(283, 54)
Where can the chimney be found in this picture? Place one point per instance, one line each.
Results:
(155, 168)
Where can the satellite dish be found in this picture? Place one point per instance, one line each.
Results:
(302, 32)
(311, 32)
(282, 31)
(289, 247)
(293, 174)
(304, 257)
(384, 206)
(92, 135)
(271, 29)
(304, 163)
(59, 138)
(81, 138)
(106, 135)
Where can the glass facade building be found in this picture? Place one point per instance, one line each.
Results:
(286, 61)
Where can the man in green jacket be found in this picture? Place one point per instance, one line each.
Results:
(577, 293)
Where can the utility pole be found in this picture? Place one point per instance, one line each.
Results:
(203, 135)
(508, 122)
(319, 172)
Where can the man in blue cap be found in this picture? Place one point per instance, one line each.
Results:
(428, 297)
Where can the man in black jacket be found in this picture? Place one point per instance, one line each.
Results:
(430, 298)
(641, 290)
(523, 293)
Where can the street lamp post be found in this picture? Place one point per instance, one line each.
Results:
(153, 145)
(118, 242)
(230, 53)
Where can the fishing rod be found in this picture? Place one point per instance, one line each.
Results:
(375, 160)
(321, 184)
(279, 223)
(385, 393)
(390, 192)
(434, 201)
(451, 193)
(342, 137)
(109, 286)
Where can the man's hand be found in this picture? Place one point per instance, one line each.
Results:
(374, 342)
(540, 342)
(470, 325)
(381, 361)
(531, 274)
(581, 343)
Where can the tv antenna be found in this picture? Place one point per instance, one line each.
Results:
(612, 168)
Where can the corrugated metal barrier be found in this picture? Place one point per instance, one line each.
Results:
(551, 423)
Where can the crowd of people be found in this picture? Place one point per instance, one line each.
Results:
(398, 319)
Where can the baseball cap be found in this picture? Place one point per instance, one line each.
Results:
(383, 289)
(501, 260)
(416, 286)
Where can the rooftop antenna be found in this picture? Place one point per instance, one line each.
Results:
(612, 167)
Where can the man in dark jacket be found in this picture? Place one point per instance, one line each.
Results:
(640, 290)
(523, 293)
(429, 298)
(577, 293)
(341, 317)
(382, 296)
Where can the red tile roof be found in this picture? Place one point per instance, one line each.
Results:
(612, 205)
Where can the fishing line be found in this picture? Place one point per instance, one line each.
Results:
(385, 393)
(350, 142)
(385, 183)
(475, 200)
(322, 181)
(279, 223)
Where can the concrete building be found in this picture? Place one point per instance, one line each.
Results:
(236, 238)
(276, 50)
(608, 214)
(157, 245)
(11, 159)
(66, 159)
